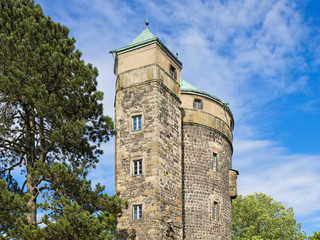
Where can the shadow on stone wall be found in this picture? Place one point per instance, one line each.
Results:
(123, 234)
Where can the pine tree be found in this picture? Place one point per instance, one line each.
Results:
(51, 121)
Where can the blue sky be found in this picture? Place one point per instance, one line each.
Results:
(260, 56)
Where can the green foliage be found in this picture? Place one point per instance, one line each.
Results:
(51, 128)
(74, 223)
(258, 216)
(47, 90)
(316, 236)
(13, 208)
(74, 212)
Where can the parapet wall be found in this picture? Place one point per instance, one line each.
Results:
(203, 118)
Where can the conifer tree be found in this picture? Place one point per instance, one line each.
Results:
(51, 126)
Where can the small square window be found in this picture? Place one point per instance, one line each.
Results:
(137, 167)
(136, 123)
(137, 212)
(214, 162)
(215, 211)
(197, 104)
(173, 72)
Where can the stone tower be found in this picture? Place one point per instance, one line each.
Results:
(209, 183)
(173, 149)
(148, 143)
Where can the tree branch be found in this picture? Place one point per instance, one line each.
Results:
(12, 167)
(43, 179)
(12, 149)
(45, 188)
(38, 222)
(23, 185)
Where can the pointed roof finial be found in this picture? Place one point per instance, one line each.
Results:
(147, 22)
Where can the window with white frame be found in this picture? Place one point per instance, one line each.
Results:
(137, 167)
(197, 103)
(136, 123)
(215, 211)
(137, 212)
(214, 162)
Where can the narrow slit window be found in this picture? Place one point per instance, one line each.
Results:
(215, 211)
(137, 212)
(214, 162)
(197, 104)
(137, 167)
(137, 123)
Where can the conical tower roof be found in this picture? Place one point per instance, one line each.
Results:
(145, 38)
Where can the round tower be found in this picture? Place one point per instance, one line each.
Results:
(209, 182)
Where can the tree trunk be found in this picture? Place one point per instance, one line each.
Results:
(31, 189)
(31, 182)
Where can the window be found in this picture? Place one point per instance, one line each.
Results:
(197, 104)
(137, 212)
(214, 162)
(215, 211)
(173, 72)
(136, 123)
(137, 167)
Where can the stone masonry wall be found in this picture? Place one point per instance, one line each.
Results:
(203, 186)
(170, 167)
(159, 188)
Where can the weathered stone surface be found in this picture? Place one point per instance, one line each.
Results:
(233, 184)
(182, 196)
(159, 188)
(207, 119)
(202, 186)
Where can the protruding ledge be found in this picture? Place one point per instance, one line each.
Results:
(204, 118)
(233, 185)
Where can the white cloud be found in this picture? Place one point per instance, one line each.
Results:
(309, 106)
(289, 178)
(245, 52)
(242, 51)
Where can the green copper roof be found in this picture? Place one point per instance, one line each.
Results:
(146, 38)
(186, 87)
